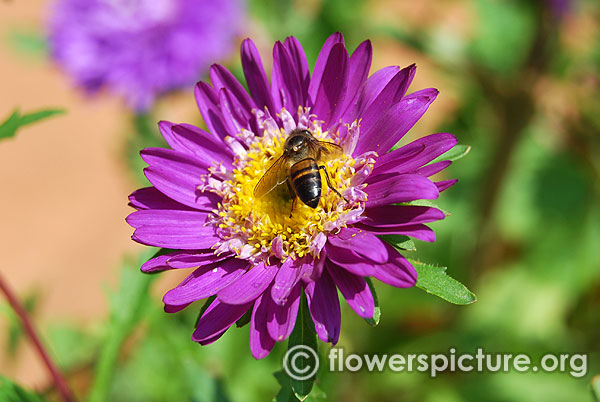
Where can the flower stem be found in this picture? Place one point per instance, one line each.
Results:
(60, 382)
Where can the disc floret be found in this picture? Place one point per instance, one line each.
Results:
(259, 228)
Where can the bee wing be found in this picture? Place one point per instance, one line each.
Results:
(329, 150)
(275, 176)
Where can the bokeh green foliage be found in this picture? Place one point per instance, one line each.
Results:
(523, 233)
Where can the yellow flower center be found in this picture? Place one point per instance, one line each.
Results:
(255, 223)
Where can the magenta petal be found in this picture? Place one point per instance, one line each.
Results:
(369, 92)
(178, 175)
(287, 277)
(362, 243)
(164, 217)
(322, 62)
(282, 318)
(205, 146)
(193, 260)
(332, 88)
(260, 341)
(403, 188)
(172, 229)
(296, 52)
(446, 184)
(163, 262)
(217, 318)
(354, 288)
(156, 264)
(256, 78)
(412, 156)
(175, 185)
(235, 116)
(207, 99)
(312, 271)
(396, 215)
(418, 231)
(398, 272)
(250, 285)
(174, 309)
(222, 78)
(358, 71)
(350, 261)
(433, 168)
(189, 139)
(285, 79)
(206, 281)
(390, 95)
(393, 125)
(324, 307)
(151, 198)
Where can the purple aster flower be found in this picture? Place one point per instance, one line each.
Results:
(141, 48)
(250, 252)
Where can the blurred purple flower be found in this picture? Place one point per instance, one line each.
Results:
(141, 48)
(250, 252)
(559, 8)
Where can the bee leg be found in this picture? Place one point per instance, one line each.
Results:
(331, 185)
(292, 194)
(293, 205)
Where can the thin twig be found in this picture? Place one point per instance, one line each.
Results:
(59, 381)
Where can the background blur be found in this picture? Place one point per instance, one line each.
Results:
(518, 81)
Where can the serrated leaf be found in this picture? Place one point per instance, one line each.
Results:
(303, 335)
(400, 242)
(457, 152)
(12, 392)
(15, 121)
(434, 280)
(373, 321)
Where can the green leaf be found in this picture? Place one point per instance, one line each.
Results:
(15, 121)
(32, 43)
(434, 280)
(12, 392)
(401, 242)
(497, 48)
(302, 338)
(126, 310)
(16, 331)
(285, 394)
(374, 321)
(454, 154)
(595, 384)
(72, 347)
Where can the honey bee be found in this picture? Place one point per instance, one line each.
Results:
(298, 167)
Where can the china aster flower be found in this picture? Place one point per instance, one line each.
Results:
(141, 48)
(260, 253)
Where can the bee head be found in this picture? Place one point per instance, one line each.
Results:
(297, 140)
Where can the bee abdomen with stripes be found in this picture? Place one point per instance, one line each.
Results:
(306, 180)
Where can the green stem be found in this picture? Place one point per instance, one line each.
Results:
(122, 326)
